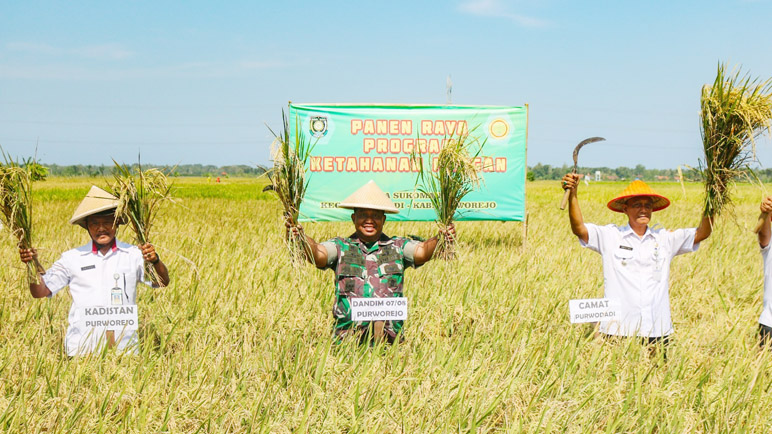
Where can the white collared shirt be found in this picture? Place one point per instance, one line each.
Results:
(766, 311)
(636, 272)
(91, 276)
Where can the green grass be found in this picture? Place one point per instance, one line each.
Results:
(488, 345)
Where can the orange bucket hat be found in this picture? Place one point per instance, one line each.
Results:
(635, 189)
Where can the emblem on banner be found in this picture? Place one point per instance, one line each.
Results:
(318, 126)
(499, 128)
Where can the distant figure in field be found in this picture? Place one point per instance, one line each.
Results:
(369, 263)
(104, 272)
(765, 320)
(636, 259)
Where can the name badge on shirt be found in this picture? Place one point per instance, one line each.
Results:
(87, 267)
(658, 263)
(624, 253)
(657, 273)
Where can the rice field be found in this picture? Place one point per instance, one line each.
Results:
(240, 340)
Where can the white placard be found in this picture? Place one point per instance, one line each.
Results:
(378, 309)
(115, 318)
(593, 310)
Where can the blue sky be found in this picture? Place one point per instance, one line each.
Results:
(196, 82)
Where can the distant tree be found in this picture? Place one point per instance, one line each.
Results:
(37, 171)
(639, 172)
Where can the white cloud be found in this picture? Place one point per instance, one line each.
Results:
(28, 47)
(58, 71)
(262, 64)
(58, 63)
(498, 9)
(97, 52)
(104, 52)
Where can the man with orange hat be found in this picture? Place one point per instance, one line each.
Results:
(104, 272)
(636, 258)
(369, 263)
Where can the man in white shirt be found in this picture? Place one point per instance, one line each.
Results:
(104, 272)
(765, 320)
(636, 259)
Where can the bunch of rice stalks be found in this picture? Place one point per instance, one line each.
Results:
(446, 181)
(734, 111)
(140, 194)
(16, 208)
(288, 181)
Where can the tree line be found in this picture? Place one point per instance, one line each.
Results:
(204, 170)
(547, 172)
(536, 172)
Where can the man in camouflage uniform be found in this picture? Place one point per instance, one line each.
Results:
(369, 263)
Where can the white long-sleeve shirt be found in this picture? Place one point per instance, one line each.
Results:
(636, 272)
(91, 277)
(766, 312)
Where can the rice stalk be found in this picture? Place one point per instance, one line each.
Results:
(445, 180)
(16, 208)
(496, 336)
(140, 194)
(289, 182)
(735, 110)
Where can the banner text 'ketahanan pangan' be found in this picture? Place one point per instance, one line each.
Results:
(404, 146)
(392, 164)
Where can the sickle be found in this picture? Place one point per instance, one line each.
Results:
(579, 146)
(576, 163)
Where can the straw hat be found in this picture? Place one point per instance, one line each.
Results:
(369, 196)
(96, 201)
(635, 189)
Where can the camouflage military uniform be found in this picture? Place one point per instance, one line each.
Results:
(362, 271)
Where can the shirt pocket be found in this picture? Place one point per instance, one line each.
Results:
(390, 274)
(350, 280)
(389, 268)
(85, 274)
(658, 265)
(127, 281)
(350, 284)
(351, 273)
(623, 254)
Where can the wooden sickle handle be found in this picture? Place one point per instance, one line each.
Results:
(565, 198)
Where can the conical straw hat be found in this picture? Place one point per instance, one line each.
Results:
(638, 188)
(96, 201)
(369, 196)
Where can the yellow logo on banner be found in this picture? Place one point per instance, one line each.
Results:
(498, 129)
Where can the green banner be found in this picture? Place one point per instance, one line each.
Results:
(353, 144)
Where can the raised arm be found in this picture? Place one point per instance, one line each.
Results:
(704, 229)
(765, 233)
(38, 290)
(571, 183)
(425, 250)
